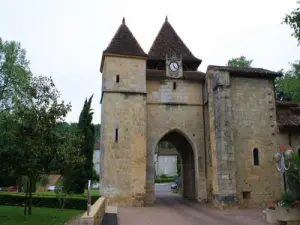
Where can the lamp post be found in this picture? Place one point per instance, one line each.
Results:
(89, 198)
(283, 163)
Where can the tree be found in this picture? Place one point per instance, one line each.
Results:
(288, 86)
(87, 130)
(293, 20)
(241, 61)
(76, 177)
(15, 74)
(31, 144)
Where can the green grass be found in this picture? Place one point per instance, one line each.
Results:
(52, 194)
(15, 216)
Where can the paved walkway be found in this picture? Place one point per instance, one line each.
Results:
(172, 209)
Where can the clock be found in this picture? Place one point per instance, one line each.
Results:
(174, 67)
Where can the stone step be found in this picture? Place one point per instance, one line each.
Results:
(111, 216)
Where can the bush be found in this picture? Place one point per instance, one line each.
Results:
(163, 176)
(75, 179)
(79, 203)
(164, 180)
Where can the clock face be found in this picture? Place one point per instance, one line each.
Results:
(174, 66)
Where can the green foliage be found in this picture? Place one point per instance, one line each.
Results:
(30, 109)
(87, 130)
(63, 198)
(288, 86)
(287, 200)
(293, 20)
(241, 61)
(44, 180)
(95, 176)
(293, 181)
(164, 180)
(15, 74)
(74, 180)
(46, 201)
(163, 176)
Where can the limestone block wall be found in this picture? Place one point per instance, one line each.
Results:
(254, 126)
(131, 72)
(182, 110)
(123, 131)
(124, 160)
(162, 91)
(221, 139)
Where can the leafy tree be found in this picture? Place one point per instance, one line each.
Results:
(76, 177)
(293, 20)
(15, 74)
(241, 61)
(30, 144)
(288, 86)
(87, 130)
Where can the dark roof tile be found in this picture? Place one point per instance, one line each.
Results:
(167, 42)
(290, 117)
(246, 71)
(124, 43)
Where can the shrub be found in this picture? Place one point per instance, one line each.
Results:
(75, 179)
(164, 180)
(79, 203)
(163, 176)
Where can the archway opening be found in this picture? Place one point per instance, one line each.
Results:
(174, 158)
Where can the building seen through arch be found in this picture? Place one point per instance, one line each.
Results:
(225, 123)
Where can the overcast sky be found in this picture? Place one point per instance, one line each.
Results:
(65, 38)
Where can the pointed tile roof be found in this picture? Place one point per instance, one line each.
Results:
(168, 42)
(124, 43)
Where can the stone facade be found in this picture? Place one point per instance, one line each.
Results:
(123, 140)
(223, 124)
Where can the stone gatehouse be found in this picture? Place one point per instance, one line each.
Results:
(225, 124)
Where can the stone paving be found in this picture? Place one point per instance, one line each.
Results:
(172, 209)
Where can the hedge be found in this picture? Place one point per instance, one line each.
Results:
(164, 180)
(79, 203)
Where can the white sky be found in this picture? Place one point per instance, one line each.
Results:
(65, 38)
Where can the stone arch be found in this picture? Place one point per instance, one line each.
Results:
(188, 154)
(159, 137)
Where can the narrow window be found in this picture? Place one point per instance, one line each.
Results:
(117, 78)
(246, 194)
(116, 135)
(255, 157)
(174, 85)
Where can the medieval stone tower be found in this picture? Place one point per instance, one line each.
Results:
(225, 123)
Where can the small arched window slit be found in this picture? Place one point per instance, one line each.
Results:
(174, 85)
(117, 78)
(255, 157)
(116, 135)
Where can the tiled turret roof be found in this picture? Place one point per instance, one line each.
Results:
(124, 43)
(168, 42)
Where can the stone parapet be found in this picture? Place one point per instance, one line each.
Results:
(96, 214)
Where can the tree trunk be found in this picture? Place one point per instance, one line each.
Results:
(26, 199)
(30, 195)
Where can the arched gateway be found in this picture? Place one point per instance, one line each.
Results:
(158, 96)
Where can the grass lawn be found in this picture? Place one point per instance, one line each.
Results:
(52, 193)
(40, 216)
